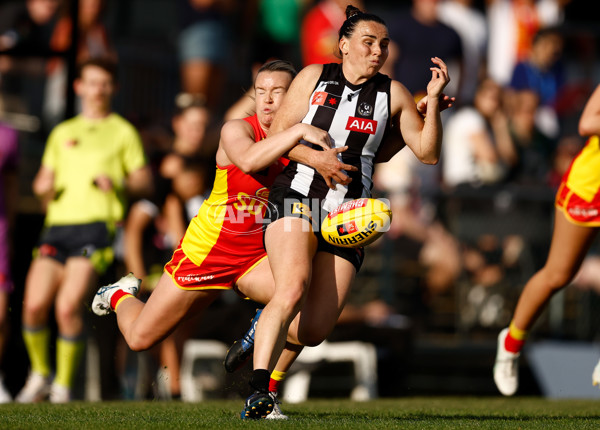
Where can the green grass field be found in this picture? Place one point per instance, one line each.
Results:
(403, 413)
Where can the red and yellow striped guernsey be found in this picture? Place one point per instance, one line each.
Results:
(579, 193)
(225, 239)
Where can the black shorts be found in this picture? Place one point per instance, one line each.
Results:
(285, 202)
(93, 241)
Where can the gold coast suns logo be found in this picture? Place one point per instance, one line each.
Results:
(243, 213)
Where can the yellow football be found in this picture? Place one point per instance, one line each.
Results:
(356, 223)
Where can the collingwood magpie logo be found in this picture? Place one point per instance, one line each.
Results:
(365, 109)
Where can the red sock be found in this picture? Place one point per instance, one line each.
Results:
(513, 345)
(274, 385)
(515, 339)
(117, 297)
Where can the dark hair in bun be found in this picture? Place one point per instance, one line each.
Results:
(353, 17)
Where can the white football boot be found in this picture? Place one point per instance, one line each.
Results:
(59, 394)
(5, 396)
(596, 375)
(101, 304)
(506, 368)
(36, 389)
(276, 414)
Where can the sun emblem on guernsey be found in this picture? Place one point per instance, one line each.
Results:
(242, 213)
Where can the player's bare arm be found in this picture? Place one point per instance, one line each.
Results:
(237, 144)
(424, 138)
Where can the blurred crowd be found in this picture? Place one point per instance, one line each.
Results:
(467, 231)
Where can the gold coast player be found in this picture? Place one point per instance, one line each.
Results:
(576, 222)
(373, 116)
(223, 245)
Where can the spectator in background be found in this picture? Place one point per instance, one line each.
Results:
(93, 43)
(277, 27)
(534, 148)
(319, 33)
(204, 47)
(155, 226)
(26, 26)
(542, 72)
(8, 189)
(512, 26)
(471, 26)
(478, 147)
(414, 223)
(419, 35)
(89, 164)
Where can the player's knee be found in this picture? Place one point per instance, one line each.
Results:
(140, 339)
(312, 335)
(557, 278)
(291, 299)
(312, 338)
(138, 343)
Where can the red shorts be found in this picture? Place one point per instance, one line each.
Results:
(576, 209)
(212, 275)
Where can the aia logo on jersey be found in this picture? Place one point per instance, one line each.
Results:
(321, 98)
(362, 125)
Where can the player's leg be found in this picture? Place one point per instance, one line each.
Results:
(79, 278)
(143, 325)
(291, 245)
(326, 297)
(258, 285)
(330, 285)
(570, 243)
(41, 284)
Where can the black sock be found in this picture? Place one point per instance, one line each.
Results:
(260, 380)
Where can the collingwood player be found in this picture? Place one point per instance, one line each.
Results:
(374, 117)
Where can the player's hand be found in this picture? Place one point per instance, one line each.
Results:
(316, 136)
(439, 78)
(444, 101)
(331, 168)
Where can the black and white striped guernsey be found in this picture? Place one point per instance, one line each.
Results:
(354, 115)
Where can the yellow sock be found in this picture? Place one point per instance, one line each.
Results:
(68, 356)
(516, 333)
(276, 378)
(37, 343)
